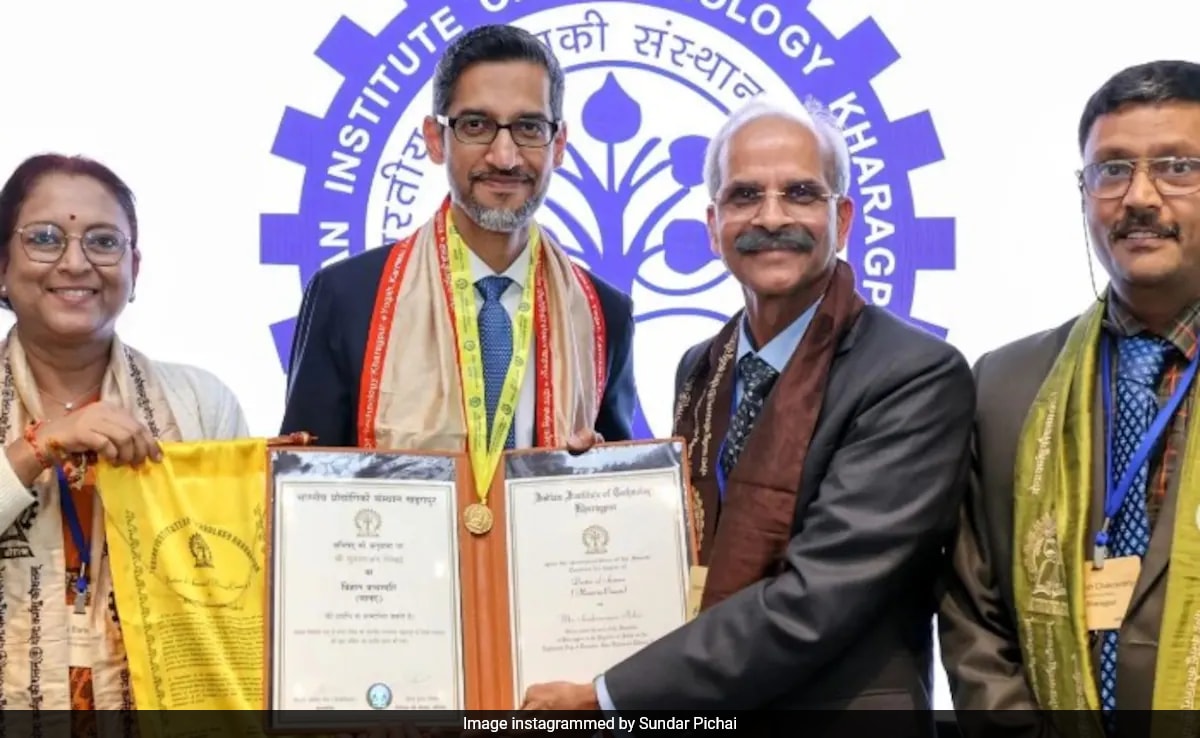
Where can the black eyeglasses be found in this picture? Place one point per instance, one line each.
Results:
(1172, 175)
(481, 130)
(46, 243)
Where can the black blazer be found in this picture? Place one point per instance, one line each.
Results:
(847, 625)
(331, 337)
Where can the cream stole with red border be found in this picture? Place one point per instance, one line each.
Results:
(410, 394)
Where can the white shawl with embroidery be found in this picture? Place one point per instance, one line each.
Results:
(177, 402)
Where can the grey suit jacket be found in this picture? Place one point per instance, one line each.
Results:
(847, 623)
(977, 618)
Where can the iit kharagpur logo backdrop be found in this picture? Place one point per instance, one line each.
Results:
(647, 84)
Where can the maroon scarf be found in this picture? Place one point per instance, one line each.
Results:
(760, 493)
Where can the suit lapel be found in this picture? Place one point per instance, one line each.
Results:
(1154, 563)
(852, 335)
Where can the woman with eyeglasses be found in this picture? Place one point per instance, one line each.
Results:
(71, 390)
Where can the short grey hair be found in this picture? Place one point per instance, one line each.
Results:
(811, 114)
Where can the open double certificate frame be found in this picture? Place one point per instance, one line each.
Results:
(385, 593)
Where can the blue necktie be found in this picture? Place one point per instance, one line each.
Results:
(757, 379)
(1139, 364)
(495, 342)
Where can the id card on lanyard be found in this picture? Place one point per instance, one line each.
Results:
(83, 638)
(1110, 582)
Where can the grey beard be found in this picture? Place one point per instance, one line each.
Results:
(501, 221)
(498, 219)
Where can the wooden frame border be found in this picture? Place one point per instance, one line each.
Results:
(484, 594)
(469, 601)
(499, 689)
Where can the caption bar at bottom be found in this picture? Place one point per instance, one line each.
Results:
(614, 723)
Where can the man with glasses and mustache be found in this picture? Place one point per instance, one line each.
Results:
(477, 332)
(1075, 591)
(828, 444)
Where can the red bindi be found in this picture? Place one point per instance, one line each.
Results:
(72, 216)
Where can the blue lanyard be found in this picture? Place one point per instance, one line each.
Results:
(81, 543)
(1115, 495)
(720, 470)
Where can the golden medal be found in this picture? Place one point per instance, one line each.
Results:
(477, 518)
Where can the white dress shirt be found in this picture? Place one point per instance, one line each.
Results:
(517, 272)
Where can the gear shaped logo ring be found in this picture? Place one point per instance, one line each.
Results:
(618, 58)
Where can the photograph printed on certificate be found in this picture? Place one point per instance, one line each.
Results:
(599, 555)
(364, 587)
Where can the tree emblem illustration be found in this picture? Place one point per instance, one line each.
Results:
(613, 118)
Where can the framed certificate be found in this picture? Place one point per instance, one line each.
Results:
(392, 585)
(365, 589)
(599, 552)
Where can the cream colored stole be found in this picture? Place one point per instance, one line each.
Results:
(419, 396)
(33, 610)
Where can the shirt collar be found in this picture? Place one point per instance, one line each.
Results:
(779, 349)
(517, 271)
(1182, 332)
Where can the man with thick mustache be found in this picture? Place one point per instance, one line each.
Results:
(828, 444)
(1074, 592)
(476, 332)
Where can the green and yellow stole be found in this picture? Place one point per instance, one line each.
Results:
(1053, 490)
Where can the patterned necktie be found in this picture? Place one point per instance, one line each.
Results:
(495, 341)
(757, 379)
(1140, 362)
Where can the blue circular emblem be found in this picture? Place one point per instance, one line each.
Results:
(379, 696)
(647, 83)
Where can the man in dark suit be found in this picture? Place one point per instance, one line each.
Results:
(1082, 477)
(477, 327)
(828, 443)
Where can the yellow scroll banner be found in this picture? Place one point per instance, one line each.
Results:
(187, 546)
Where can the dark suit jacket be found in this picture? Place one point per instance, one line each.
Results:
(848, 622)
(977, 619)
(331, 338)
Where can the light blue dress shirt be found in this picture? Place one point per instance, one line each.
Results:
(777, 353)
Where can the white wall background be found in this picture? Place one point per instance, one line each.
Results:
(184, 101)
